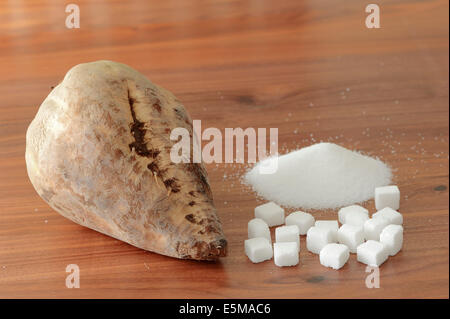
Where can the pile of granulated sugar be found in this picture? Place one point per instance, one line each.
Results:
(321, 176)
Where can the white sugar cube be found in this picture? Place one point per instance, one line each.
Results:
(352, 208)
(392, 238)
(317, 238)
(357, 217)
(387, 196)
(285, 254)
(352, 236)
(271, 213)
(285, 234)
(258, 249)
(391, 215)
(331, 225)
(304, 221)
(258, 228)
(373, 228)
(372, 253)
(334, 255)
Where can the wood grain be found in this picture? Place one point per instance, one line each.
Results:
(310, 68)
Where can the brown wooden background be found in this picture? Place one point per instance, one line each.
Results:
(310, 68)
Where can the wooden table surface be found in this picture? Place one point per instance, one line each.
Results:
(310, 68)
